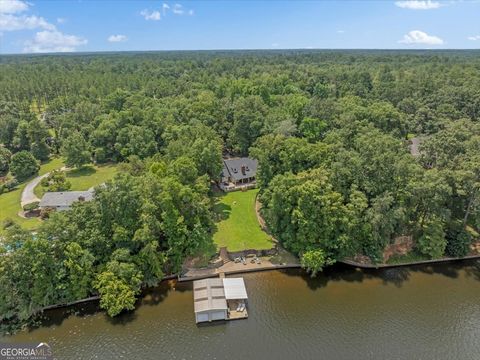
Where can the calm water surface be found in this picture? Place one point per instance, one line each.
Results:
(427, 312)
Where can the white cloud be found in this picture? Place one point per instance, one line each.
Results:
(9, 22)
(61, 20)
(12, 6)
(418, 4)
(165, 7)
(151, 15)
(474, 37)
(117, 38)
(275, 45)
(419, 37)
(341, 31)
(53, 41)
(178, 9)
(49, 39)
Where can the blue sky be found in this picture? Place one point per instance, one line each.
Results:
(89, 25)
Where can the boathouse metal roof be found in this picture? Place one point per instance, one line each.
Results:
(208, 294)
(234, 288)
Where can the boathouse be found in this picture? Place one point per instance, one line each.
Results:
(219, 299)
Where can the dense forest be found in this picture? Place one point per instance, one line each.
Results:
(330, 129)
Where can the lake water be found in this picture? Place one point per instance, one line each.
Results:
(424, 312)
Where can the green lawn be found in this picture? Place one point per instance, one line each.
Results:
(86, 177)
(10, 202)
(238, 228)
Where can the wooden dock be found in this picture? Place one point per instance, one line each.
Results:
(233, 314)
(236, 315)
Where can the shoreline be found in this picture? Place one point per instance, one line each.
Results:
(242, 271)
(412, 263)
(278, 267)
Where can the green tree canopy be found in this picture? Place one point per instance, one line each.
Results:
(24, 165)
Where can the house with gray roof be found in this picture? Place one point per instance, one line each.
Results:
(61, 201)
(238, 172)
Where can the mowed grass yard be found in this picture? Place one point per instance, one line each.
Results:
(86, 177)
(81, 179)
(238, 228)
(10, 202)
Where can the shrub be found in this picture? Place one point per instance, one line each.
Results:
(45, 213)
(11, 184)
(458, 239)
(31, 206)
(5, 156)
(7, 223)
(432, 242)
(8, 185)
(314, 261)
(56, 181)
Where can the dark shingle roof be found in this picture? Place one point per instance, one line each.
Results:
(241, 168)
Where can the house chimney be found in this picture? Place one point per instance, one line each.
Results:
(244, 169)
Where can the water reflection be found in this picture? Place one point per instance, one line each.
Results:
(421, 312)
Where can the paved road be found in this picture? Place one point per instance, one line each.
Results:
(28, 196)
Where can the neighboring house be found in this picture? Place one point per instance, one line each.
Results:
(238, 172)
(62, 201)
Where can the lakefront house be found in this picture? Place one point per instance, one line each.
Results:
(238, 173)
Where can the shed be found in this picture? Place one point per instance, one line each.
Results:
(209, 300)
